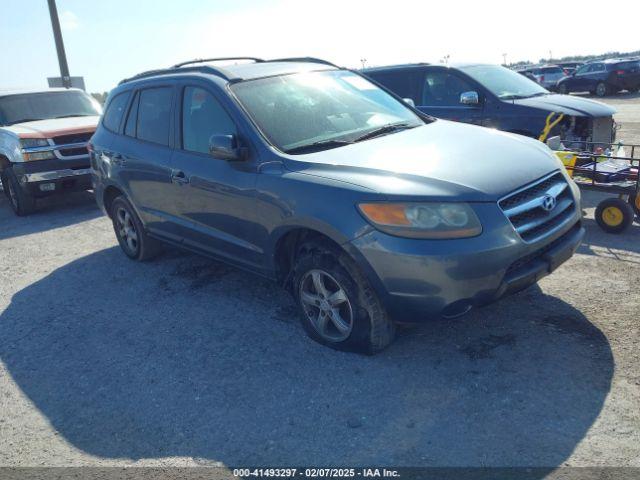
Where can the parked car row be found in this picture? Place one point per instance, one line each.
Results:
(598, 78)
(369, 210)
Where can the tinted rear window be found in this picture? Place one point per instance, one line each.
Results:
(154, 115)
(551, 70)
(115, 111)
(627, 65)
(399, 82)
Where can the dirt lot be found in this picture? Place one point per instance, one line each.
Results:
(185, 361)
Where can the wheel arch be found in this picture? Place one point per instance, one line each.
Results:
(111, 192)
(287, 240)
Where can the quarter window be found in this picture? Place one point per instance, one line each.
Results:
(132, 118)
(115, 111)
(202, 117)
(154, 115)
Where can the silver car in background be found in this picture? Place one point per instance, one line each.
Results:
(547, 75)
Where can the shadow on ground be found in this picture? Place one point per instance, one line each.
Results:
(188, 357)
(56, 211)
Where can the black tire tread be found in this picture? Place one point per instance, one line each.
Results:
(381, 330)
(26, 202)
(149, 247)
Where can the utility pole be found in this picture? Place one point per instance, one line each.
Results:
(57, 35)
(504, 58)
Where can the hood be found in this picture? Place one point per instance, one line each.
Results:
(54, 127)
(440, 160)
(568, 104)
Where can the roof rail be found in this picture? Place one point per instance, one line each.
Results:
(168, 71)
(220, 72)
(219, 59)
(304, 59)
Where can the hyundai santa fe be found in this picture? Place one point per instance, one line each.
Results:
(367, 211)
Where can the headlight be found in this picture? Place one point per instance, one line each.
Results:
(423, 220)
(33, 142)
(28, 143)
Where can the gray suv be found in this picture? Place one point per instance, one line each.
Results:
(368, 211)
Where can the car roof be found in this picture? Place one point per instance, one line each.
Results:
(237, 72)
(23, 91)
(402, 66)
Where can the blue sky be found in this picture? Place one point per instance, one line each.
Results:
(107, 40)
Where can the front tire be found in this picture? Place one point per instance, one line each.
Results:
(562, 89)
(130, 232)
(21, 202)
(338, 307)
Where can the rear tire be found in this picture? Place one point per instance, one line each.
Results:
(601, 89)
(614, 215)
(338, 306)
(130, 232)
(21, 202)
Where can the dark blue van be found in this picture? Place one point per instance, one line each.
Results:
(496, 97)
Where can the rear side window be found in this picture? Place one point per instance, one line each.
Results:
(202, 116)
(401, 82)
(154, 115)
(115, 111)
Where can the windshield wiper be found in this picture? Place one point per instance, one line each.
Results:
(75, 115)
(317, 146)
(390, 128)
(539, 94)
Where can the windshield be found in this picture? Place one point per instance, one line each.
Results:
(28, 107)
(326, 109)
(504, 83)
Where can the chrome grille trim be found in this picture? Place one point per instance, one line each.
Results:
(524, 207)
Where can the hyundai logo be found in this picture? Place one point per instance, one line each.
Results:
(548, 202)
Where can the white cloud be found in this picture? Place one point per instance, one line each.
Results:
(69, 20)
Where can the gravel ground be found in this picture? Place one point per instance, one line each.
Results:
(185, 361)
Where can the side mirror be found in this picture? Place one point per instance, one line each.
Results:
(409, 101)
(225, 147)
(469, 98)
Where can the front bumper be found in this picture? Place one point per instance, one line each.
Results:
(420, 280)
(46, 177)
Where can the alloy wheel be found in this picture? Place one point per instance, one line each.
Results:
(326, 305)
(127, 229)
(601, 89)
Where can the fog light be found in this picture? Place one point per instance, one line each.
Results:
(47, 187)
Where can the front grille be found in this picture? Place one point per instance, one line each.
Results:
(63, 140)
(525, 208)
(73, 138)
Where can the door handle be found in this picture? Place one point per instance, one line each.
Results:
(178, 176)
